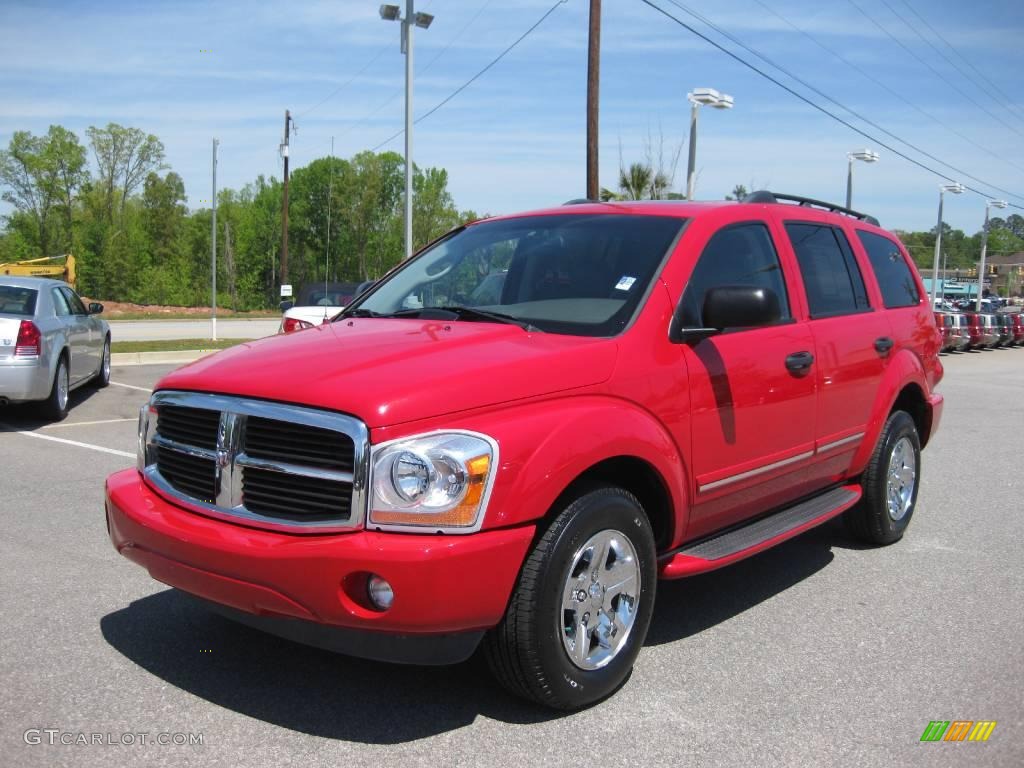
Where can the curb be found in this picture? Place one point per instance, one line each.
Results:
(159, 358)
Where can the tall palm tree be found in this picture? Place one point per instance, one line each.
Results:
(636, 182)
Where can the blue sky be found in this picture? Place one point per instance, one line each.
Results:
(515, 138)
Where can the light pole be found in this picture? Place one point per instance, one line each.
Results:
(956, 188)
(410, 20)
(984, 248)
(868, 156)
(213, 250)
(711, 98)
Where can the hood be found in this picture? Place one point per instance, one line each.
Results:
(389, 371)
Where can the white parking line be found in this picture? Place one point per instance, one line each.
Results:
(99, 448)
(84, 423)
(130, 386)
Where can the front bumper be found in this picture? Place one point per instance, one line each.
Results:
(448, 589)
(24, 379)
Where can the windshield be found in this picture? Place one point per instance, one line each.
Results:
(578, 274)
(17, 301)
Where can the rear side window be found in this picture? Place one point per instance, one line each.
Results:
(17, 301)
(832, 278)
(60, 304)
(737, 255)
(899, 289)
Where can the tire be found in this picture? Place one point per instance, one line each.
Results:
(102, 377)
(880, 518)
(55, 407)
(529, 651)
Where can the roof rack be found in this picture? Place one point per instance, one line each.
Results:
(580, 201)
(764, 196)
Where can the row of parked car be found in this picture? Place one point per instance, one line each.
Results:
(962, 331)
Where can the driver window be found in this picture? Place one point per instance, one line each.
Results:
(736, 255)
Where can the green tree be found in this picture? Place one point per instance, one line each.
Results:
(124, 156)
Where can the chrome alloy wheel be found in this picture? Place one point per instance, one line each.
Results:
(106, 361)
(599, 599)
(62, 385)
(902, 478)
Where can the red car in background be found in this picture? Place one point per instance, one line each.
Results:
(974, 330)
(1017, 324)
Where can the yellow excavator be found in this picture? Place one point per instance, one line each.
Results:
(56, 267)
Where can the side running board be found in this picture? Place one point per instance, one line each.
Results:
(739, 543)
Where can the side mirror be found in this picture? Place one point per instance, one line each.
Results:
(365, 286)
(741, 306)
(729, 306)
(95, 308)
(286, 305)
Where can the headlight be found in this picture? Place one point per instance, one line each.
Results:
(438, 481)
(146, 413)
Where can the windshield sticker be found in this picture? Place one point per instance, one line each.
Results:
(625, 283)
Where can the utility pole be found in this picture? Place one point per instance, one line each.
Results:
(593, 96)
(284, 207)
(213, 250)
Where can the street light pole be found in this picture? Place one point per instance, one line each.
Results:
(411, 19)
(213, 250)
(984, 248)
(956, 189)
(407, 28)
(868, 156)
(697, 97)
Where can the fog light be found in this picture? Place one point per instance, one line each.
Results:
(380, 592)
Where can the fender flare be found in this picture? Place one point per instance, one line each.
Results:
(905, 369)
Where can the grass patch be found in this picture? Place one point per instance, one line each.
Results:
(118, 317)
(173, 345)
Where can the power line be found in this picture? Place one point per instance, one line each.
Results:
(475, 77)
(1008, 100)
(934, 71)
(391, 99)
(824, 95)
(882, 84)
(352, 79)
(807, 101)
(974, 81)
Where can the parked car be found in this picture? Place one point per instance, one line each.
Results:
(1017, 322)
(989, 330)
(960, 332)
(50, 343)
(975, 330)
(944, 322)
(317, 303)
(1004, 328)
(646, 399)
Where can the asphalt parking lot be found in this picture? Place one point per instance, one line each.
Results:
(817, 652)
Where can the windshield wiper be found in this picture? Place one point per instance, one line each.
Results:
(450, 312)
(358, 312)
(472, 313)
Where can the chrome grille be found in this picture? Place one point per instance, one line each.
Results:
(277, 466)
(191, 426)
(298, 444)
(293, 496)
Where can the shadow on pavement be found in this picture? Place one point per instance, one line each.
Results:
(305, 689)
(29, 415)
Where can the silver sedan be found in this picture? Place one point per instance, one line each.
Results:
(50, 343)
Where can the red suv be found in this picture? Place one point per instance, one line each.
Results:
(657, 390)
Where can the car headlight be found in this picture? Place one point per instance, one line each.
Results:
(146, 413)
(439, 481)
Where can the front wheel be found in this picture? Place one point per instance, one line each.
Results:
(102, 378)
(581, 608)
(890, 484)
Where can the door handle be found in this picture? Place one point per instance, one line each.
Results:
(799, 362)
(883, 345)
